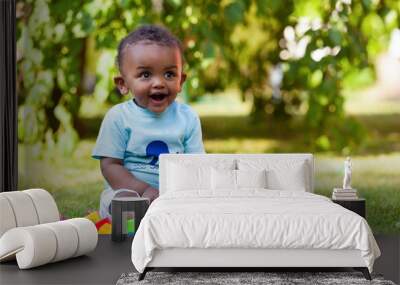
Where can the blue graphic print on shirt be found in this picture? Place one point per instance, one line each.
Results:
(155, 148)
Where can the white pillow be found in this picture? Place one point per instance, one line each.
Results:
(223, 179)
(193, 174)
(282, 174)
(188, 161)
(251, 178)
(235, 179)
(182, 177)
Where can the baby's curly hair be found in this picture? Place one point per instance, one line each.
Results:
(148, 34)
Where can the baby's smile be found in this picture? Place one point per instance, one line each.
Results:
(158, 97)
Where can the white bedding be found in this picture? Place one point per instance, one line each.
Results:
(251, 218)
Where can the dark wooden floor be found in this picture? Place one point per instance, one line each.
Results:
(110, 260)
(389, 262)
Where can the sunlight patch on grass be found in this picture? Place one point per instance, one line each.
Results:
(56, 170)
(75, 182)
(235, 145)
(387, 164)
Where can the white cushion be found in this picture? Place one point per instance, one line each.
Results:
(23, 208)
(282, 174)
(189, 175)
(34, 244)
(46, 207)
(67, 240)
(183, 177)
(231, 160)
(200, 161)
(223, 179)
(26, 208)
(40, 244)
(226, 179)
(251, 178)
(7, 218)
(87, 235)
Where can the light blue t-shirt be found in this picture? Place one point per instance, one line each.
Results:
(138, 136)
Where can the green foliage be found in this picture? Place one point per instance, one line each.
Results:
(319, 46)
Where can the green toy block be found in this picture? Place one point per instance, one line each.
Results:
(130, 226)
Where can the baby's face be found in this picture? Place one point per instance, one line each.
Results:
(153, 73)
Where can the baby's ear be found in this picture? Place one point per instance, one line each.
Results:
(120, 83)
(183, 79)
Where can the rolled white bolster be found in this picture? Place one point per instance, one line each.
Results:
(7, 217)
(87, 235)
(40, 244)
(67, 239)
(46, 207)
(33, 246)
(23, 208)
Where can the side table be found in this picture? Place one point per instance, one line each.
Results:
(356, 205)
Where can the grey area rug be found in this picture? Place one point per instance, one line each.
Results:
(231, 278)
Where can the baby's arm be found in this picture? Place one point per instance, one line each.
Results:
(119, 177)
(193, 142)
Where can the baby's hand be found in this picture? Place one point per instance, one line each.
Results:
(150, 193)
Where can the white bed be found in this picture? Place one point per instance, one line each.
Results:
(228, 219)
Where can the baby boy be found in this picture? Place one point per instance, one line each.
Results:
(134, 133)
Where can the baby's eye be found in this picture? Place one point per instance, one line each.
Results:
(169, 75)
(144, 74)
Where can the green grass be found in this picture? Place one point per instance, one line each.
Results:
(76, 181)
(376, 178)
